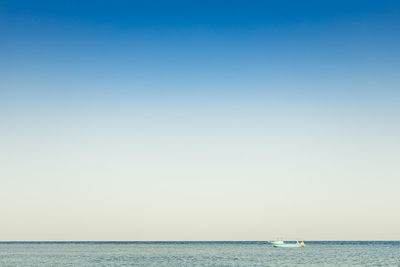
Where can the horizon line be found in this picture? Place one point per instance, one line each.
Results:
(183, 241)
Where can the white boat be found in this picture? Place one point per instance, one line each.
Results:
(282, 244)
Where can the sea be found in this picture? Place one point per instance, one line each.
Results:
(249, 253)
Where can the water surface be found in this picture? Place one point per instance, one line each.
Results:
(332, 253)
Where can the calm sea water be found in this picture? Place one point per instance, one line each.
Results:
(197, 254)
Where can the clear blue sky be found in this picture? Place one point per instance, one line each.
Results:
(184, 120)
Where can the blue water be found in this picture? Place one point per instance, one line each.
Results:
(333, 253)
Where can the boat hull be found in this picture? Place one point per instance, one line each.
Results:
(287, 245)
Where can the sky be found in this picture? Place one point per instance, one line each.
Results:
(199, 120)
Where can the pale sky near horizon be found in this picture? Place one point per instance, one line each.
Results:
(176, 120)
